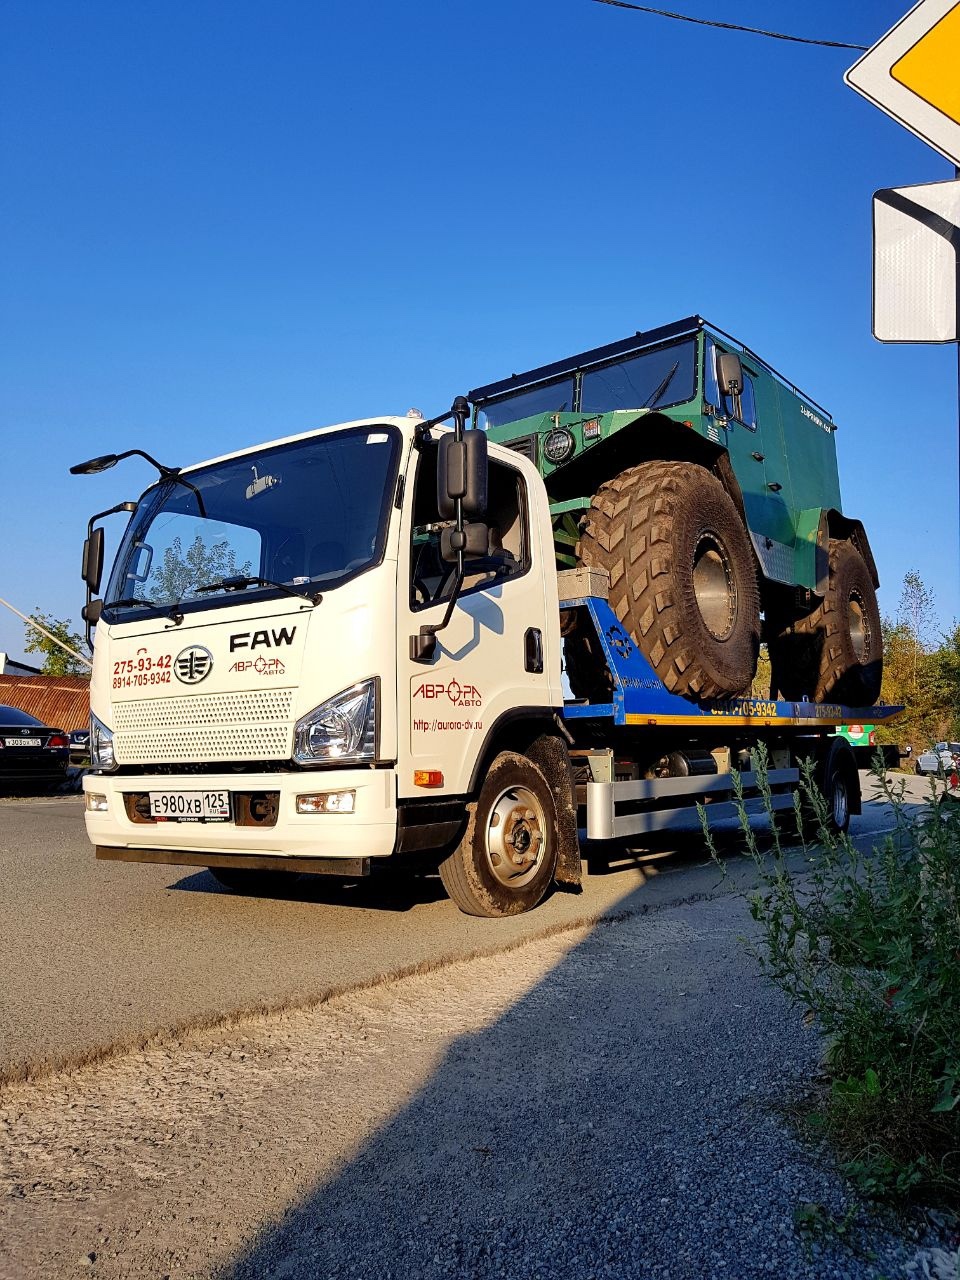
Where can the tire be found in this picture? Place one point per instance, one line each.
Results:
(515, 816)
(835, 778)
(682, 577)
(835, 652)
(252, 883)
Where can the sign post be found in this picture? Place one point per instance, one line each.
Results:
(913, 74)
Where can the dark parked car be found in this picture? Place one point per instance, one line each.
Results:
(79, 746)
(31, 753)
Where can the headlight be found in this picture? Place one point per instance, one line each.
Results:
(101, 745)
(341, 730)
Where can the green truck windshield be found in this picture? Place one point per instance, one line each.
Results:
(651, 380)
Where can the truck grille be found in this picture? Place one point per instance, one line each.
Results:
(226, 726)
(527, 445)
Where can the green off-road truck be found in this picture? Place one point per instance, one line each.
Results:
(706, 485)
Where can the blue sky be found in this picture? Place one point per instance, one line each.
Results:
(226, 222)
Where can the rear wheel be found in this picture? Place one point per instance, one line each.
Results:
(682, 577)
(506, 860)
(835, 651)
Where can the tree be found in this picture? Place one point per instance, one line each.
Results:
(56, 661)
(917, 671)
(181, 572)
(917, 612)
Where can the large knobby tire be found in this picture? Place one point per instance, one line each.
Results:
(834, 652)
(507, 858)
(682, 578)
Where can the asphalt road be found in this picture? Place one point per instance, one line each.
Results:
(100, 955)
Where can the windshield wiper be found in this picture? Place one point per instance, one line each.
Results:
(240, 582)
(131, 601)
(652, 400)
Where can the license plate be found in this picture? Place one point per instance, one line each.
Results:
(190, 806)
(21, 742)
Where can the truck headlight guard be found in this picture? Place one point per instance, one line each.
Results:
(342, 730)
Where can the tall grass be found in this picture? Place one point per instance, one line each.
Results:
(868, 944)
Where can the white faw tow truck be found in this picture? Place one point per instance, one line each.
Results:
(343, 649)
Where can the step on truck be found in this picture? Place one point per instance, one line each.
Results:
(342, 651)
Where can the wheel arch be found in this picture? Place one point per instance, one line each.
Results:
(843, 527)
(651, 437)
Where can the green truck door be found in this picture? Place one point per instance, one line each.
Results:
(755, 444)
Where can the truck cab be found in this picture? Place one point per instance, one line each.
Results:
(254, 694)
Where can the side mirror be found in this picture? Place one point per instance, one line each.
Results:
(92, 569)
(462, 475)
(729, 373)
(474, 542)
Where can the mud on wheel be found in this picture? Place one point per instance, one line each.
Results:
(836, 650)
(507, 857)
(682, 578)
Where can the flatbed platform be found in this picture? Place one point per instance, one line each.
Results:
(641, 699)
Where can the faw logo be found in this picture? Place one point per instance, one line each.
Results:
(262, 639)
(461, 695)
(193, 665)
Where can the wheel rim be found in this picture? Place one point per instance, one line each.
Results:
(840, 807)
(714, 588)
(516, 842)
(857, 626)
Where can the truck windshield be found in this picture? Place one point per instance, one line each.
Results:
(555, 397)
(310, 514)
(650, 380)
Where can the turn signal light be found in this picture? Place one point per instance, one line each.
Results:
(427, 778)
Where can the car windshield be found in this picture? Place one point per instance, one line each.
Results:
(310, 514)
(13, 715)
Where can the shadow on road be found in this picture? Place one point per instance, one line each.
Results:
(617, 1120)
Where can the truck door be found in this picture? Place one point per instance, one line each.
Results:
(755, 445)
(490, 659)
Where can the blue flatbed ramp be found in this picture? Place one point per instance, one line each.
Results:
(641, 698)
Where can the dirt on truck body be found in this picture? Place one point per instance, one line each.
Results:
(706, 485)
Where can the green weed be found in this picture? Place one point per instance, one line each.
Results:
(868, 945)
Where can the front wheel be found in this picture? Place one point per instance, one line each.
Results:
(506, 861)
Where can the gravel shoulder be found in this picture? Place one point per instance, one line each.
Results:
(604, 1102)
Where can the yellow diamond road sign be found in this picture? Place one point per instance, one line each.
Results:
(913, 73)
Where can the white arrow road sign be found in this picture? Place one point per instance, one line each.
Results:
(916, 262)
(913, 73)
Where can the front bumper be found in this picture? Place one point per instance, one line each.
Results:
(369, 832)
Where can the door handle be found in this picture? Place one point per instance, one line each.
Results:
(533, 650)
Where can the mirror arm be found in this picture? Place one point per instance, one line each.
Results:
(423, 647)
